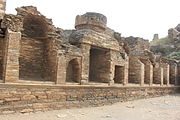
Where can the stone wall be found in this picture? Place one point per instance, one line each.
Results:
(158, 75)
(137, 44)
(31, 59)
(78, 62)
(136, 71)
(173, 73)
(52, 60)
(29, 98)
(119, 67)
(95, 21)
(148, 71)
(165, 74)
(11, 56)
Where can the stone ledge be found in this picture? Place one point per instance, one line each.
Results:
(55, 86)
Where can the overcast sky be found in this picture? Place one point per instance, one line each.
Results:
(139, 18)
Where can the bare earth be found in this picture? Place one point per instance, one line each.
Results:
(160, 108)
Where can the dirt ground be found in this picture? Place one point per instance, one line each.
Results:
(160, 108)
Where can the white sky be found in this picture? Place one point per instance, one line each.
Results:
(139, 18)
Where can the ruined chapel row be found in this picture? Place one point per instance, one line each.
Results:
(32, 50)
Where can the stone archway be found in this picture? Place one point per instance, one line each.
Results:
(33, 60)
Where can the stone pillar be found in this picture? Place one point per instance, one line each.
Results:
(85, 63)
(2, 8)
(165, 73)
(158, 75)
(61, 70)
(111, 75)
(126, 71)
(11, 64)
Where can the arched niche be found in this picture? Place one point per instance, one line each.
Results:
(33, 60)
(73, 71)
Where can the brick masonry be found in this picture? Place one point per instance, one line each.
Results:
(43, 67)
(31, 98)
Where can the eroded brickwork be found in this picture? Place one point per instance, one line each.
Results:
(78, 61)
(136, 71)
(24, 99)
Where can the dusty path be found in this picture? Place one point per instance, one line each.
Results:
(160, 108)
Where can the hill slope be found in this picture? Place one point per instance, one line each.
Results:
(166, 47)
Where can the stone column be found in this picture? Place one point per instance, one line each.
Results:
(2, 8)
(126, 71)
(85, 63)
(112, 68)
(61, 70)
(11, 59)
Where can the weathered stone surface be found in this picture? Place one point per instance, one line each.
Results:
(90, 65)
(74, 96)
(95, 21)
(28, 97)
(136, 71)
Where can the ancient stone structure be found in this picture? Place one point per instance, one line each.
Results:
(43, 67)
(156, 37)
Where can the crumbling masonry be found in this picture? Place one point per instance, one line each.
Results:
(43, 67)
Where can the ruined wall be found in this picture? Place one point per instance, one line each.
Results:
(22, 98)
(38, 50)
(90, 20)
(173, 73)
(165, 74)
(89, 55)
(11, 56)
(136, 71)
(52, 61)
(137, 44)
(119, 67)
(32, 59)
(158, 74)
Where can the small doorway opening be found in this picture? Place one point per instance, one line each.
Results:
(119, 74)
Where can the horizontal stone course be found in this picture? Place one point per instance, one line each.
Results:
(42, 98)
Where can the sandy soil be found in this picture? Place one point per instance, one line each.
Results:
(160, 108)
